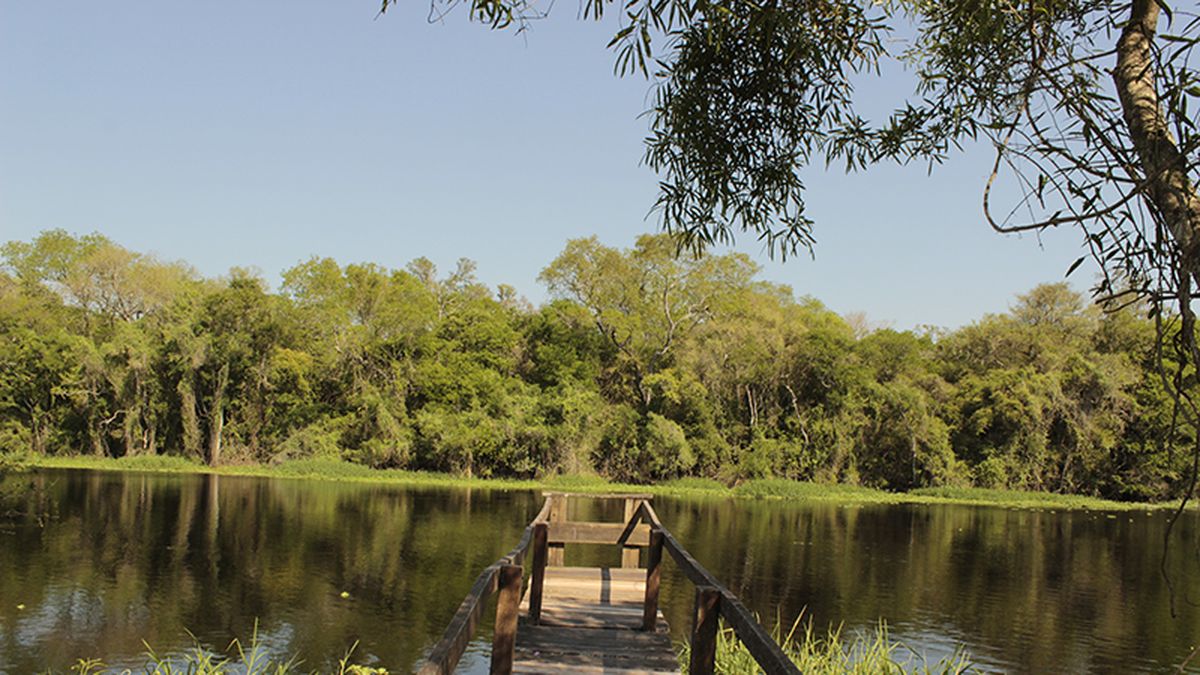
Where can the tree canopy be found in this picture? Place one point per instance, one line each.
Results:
(1088, 106)
(642, 366)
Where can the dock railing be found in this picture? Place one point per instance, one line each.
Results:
(548, 534)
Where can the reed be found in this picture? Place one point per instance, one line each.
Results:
(240, 659)
(832, 653)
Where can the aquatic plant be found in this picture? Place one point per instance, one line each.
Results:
(251, 659)
(867, 653)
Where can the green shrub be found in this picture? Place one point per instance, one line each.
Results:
(666, 449)
(14, 438)
(320, 439)
(991, 473)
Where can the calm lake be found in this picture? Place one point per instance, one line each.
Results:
(102, 561)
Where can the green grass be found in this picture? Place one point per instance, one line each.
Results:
(782, 488)
(872, 653)
(830, 654)
(694, 484)
(243, 659)
(1024, 499)
(764, 488)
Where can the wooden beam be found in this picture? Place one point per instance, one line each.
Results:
(758, 641)
(558, 514)
(538, 581)
(704, 631)
(630, 555)
(597, 533)
(653, 579)
(599, 495)
(766, 652)
(504, 635)
(446, 653)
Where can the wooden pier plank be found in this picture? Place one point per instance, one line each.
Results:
(590, 623)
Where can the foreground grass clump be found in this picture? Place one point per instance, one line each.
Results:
(251, 659)
(832, 654)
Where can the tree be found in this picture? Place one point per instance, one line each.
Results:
(1088, 105)
(647, 300)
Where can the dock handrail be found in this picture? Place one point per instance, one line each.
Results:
(546, 534)
(713, 601)
(445, 655)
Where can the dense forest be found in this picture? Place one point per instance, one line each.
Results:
(644, 366)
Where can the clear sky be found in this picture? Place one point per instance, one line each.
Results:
(258, 134)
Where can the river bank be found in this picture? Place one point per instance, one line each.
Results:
(764, 488)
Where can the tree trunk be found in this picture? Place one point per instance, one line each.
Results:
(753, 403)
(189, 418)
(216, 422)
(37, 439)
(1168, 190)
(95, 432)
(796, 409)
(128, 432)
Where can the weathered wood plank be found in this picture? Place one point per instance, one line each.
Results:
(653, 580)
(543, 649)
(574, 532)
(758, 642)
(558, 514)
(504, 635)
(585, 669)
(596, 495)
(586, 616)
(594, 597)
(704, 631)
(601, 587)
(617, 574)
(446, 653)
(593, 664)
(630, 554)
(537, 581)
(574, 640)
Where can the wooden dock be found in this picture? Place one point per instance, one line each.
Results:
(591, 622)
(596, 619)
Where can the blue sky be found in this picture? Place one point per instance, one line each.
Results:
(260, 134)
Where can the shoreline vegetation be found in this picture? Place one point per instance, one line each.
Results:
(642, 368)
(765, 488)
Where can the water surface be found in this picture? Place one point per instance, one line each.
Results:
(102, 561)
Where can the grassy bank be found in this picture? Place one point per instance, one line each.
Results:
(767, 488)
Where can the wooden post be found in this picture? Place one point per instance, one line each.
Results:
(653, 578)
(558, 514)
(540, 534)
(704, 631)
(504, 636)
(630, 554)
